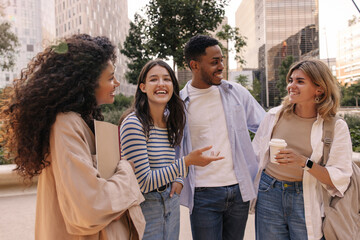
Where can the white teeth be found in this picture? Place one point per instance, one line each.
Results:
(160, 92)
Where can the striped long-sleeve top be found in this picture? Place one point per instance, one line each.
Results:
(153, 158)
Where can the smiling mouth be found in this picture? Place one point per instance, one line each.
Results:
(218, 74)
(161, 92)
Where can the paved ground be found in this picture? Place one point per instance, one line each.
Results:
(17, 216)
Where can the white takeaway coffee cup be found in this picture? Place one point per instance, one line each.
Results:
(276, 145)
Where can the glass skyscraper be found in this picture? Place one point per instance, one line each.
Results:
(283, 28)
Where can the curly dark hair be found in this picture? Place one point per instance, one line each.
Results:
(62, 78)
(196, 47)
(175, 110)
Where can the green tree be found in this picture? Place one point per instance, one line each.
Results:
(228, 33)
(170, 24)
(352, 21)
(281, 82)
(243, 80)
(346, 99)
(8, 41)
(173, 22)
(136, 49)
(256, 90)
(8, 46)
(354, 92)
(113, 112)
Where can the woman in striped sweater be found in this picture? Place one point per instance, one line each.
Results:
(149, 132)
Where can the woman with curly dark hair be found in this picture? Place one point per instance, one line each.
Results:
(48, 121)
(149, 132)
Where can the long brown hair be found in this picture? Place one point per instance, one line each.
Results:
(62, 78)
(175, 113)
(321, 76)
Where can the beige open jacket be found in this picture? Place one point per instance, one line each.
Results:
(73, 202)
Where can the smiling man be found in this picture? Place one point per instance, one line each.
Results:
(219, 113)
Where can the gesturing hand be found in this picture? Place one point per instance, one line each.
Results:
(198, 159)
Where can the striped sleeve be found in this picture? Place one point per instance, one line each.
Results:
(134, 148)
(179, 180)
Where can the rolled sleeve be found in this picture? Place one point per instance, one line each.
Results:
(339, 164)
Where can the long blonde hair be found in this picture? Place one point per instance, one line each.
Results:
(321, 76)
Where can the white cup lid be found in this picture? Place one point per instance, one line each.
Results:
(277, 141)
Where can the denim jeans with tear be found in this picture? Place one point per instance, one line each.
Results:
(162, 215)
(279, 212)
(219, 213)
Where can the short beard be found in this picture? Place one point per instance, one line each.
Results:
(209, 82)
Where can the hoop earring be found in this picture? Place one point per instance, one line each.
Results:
(317, 99)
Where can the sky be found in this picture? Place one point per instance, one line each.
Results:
(331, 21)
(333, 16)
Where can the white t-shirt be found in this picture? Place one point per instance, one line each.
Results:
(207, 124)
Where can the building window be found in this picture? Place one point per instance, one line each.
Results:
(65, 27)
(29, 47)
(7, 77)
(79, 20)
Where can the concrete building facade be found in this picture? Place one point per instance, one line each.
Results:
(97, 18)
(348, 55)
(282, 29)
(25, 20)
(245, 20)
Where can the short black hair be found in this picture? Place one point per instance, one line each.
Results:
(196, 47)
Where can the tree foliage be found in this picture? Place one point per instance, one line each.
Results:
(354, 92)
(350, 94)
(8, 46)
(243, 80)
(169, 25)
(256, 90)
(136, 49)
(228, 33)
(283, 71)
(173, 22)
(113, 112)
(353, 122)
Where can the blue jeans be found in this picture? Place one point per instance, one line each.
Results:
(219, 213)
(162, 215)
(279, 211)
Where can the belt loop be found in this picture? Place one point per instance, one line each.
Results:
(273, 183)
(297, 187)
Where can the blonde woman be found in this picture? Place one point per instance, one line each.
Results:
(289, 203)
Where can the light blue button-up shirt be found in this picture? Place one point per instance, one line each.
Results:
(242, 113)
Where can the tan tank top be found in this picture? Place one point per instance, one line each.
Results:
(296, 131)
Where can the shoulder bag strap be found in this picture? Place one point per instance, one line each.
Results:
(328, 134)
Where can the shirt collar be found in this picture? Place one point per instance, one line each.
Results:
(224, 86)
